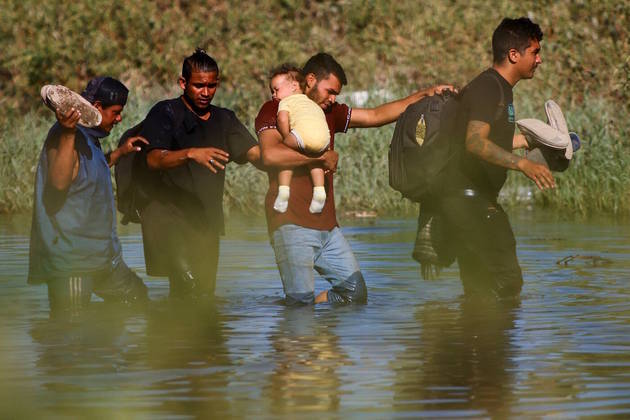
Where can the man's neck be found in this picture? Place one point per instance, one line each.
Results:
(507, 72)
(203, 113)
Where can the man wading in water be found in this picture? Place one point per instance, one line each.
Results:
(74, 247)
(479, 230)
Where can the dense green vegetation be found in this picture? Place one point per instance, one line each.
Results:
(398, 46)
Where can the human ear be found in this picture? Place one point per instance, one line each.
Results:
(513, 55)
(310, 80)
(182, 82)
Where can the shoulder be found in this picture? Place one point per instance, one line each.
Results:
(338, 109)
(269, 107)
(483, 88)
(340, 115)
(52, 138)
(266, 118)
(166, 108)
(164, 117)
(222, 112)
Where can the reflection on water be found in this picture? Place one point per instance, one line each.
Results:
(418, 349)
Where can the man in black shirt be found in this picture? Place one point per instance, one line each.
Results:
(480, 232)
(190, 143)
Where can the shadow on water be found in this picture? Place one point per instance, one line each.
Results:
(418, 349)
(461, 363)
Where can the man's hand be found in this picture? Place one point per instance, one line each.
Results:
(329, 160)
(538, 173)
(69, 119)
(210, 157)
(129, 146)
(439, 89)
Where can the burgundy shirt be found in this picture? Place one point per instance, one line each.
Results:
(338, 119)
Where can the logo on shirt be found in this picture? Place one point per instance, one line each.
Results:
(510, 113)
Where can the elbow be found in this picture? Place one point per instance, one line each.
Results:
(470, 147)
(154, 160)
(267, 159)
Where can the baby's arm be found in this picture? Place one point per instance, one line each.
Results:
(285, 130)
(283, 124)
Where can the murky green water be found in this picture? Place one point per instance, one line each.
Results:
(416, 350)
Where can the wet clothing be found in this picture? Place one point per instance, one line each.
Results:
(183, 219)
(299, 250)
(69, 294)
(73, 234)
(484, 244)
(305, 241)
(478, 228)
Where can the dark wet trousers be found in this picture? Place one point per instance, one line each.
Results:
(71, 293)
(182, 247)
(481, 237)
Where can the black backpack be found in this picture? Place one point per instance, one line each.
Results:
(128, 193)
(132, 184)
(419, 149)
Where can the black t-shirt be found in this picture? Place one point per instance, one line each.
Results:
(488, 98)
(192, 187)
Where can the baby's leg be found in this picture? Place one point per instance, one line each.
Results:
(282, 200)
(284, 177)
(293, 142)
(319, 192)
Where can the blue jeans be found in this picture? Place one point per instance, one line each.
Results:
(301, 250)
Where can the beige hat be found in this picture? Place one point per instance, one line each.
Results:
(555, 118)
(58, 97)
(538, 132)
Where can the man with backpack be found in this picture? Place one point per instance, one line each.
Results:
(478, 229)
(74, 247)
(181, 208)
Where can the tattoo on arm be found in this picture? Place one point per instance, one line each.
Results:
(478, 144)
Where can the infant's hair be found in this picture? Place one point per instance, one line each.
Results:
(292, 72)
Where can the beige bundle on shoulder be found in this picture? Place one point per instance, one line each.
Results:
(58, 97)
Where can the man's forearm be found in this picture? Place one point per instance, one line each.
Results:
(276, 154)
(159, 159)
(488, 151)
(385, 113)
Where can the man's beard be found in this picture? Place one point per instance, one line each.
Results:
(195, 108)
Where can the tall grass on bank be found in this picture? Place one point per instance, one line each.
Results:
(598, 179)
